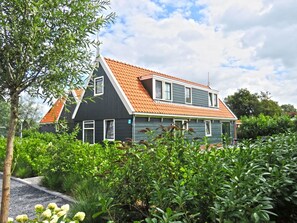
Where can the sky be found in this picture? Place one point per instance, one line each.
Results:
(241, 44)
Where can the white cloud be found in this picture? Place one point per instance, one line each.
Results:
(247, 44)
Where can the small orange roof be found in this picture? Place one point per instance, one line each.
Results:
(128, 78)
(54, 113)
(79, 92)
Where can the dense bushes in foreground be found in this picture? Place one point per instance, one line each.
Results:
(169, 179)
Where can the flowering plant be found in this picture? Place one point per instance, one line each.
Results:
(51, 214)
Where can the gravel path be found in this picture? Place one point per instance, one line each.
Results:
(25, 195)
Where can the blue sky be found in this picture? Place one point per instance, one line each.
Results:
(241, 44)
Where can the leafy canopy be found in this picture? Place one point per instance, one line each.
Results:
(45, 44)
(244, 103)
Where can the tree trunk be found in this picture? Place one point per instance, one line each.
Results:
(14, 104)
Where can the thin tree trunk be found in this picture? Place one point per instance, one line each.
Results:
(14, 104)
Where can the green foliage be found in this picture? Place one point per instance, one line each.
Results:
(244, 103)
(253, 127)
(4, 118)
(170, 179)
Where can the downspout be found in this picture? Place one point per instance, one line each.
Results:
(133, 128)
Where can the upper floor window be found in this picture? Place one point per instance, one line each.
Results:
(163, 90)
(98, 86)
(188, 93)
(167, 91)
(213, 99)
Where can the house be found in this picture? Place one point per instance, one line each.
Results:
(127, 99)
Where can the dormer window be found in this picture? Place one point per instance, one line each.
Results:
(213, 99)
(159, 91)
(163, 90)
(98, 86)
(188, 94)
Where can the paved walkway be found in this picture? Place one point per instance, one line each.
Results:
(25, 194)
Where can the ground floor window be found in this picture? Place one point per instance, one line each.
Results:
(226, 128)
(89, 131)
(207, 128)
(109, 129)
(181, 125)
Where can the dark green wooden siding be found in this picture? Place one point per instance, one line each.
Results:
(198, 127)
(141, 123)
(106, 106)
(199, 97)
(178, 93)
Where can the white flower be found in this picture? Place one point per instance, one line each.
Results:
(61, 213)
(22, 218)
(10, 220)
(54, 219)
(52, 206)
(45, 221)
(65, 207)
(39, 208)
(80, 216)
(47, 213)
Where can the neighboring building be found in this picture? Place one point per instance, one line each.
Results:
(127, 99)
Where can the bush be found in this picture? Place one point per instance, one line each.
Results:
(253, 127)
(169, 178)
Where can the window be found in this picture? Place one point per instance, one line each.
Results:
(109, 129)
(98, 86)
(182, 125)
(89, 131)
(210, 100)
(163, 90)
(207, 128)
(213, 99)
(188, 93)
(167, 91)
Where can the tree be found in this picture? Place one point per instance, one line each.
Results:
(289, 109)
(44, 49)
(29, 113)
(243, 103)
(268, 106)
(4, 108)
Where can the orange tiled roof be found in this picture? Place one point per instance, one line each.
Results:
(79, 92)
(128, 78)
(53, 114)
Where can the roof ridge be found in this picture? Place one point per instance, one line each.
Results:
(157, 72)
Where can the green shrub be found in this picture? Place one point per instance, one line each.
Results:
(253, 127)
(169, 178)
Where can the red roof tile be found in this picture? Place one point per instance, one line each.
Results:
(128, 79)
(54, 113)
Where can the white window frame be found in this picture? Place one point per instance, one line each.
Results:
(163, 90)
(93, 128)
(95, 79)
(183, 122)
(104, 129)
(210, 132)
(212, 102)
(191, 95)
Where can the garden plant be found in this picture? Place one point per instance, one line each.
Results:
(167, 178)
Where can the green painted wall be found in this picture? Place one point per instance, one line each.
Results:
(198, 126)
